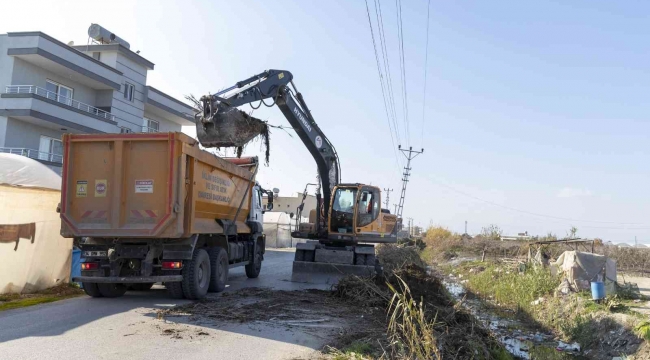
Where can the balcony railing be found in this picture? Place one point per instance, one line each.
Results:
(146, 129)
(32, 89)
(34, 154)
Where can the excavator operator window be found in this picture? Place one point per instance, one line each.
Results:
(343, 210)
(369, 207)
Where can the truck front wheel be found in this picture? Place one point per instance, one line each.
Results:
(112, 290)
(219, 267)
(196, 275)
(253, 269)
(91, 289)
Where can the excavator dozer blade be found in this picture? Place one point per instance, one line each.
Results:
(326, 273)
(229, 127)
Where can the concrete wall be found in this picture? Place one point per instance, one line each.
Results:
(3, 130)
(130, 113)
(165, 125)
(26, 135)
(6, 63)
(25, 73)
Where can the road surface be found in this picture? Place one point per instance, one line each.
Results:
(127, 327)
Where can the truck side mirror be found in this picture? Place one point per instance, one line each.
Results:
(269, 206)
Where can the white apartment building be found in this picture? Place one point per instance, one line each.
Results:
(48, 88)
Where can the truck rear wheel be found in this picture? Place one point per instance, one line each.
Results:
(112, 290)
(253, 269)
(91, 289)
(175, 289)
(196, 275)
(219, 269)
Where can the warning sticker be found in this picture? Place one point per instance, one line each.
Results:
(82, 188)
(100, 188)
(144, 186)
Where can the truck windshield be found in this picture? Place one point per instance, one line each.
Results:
(344, 200)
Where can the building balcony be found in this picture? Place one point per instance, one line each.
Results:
(166, 107)
(55, 159)
(43, 51)
(35, 104)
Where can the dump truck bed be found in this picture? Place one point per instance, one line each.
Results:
(159, 185)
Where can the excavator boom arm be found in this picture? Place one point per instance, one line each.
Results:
(274, 84)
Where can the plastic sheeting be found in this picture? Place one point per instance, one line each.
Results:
(277, 228)
(580, 268)
(19, 170)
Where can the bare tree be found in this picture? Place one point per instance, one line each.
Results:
(491, 232)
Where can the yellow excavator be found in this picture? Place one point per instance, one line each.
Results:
(348, 220)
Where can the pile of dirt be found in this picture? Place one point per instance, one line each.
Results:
(458, 333)
(394, 257)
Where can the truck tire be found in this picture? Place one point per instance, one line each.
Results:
(112, 290)
(253, 269)
(91, 289)
(175, 290)
(196, 275)
(218, 269)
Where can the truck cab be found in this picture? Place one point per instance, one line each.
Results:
(256, 215)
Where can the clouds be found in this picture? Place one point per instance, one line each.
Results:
(569, 192)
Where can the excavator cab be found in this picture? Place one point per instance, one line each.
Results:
(356, 215)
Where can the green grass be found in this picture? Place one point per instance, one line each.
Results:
(15, 301)
(511, 288)
(357, 350)
(27, 302)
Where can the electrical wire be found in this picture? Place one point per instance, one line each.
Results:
(544, 215)
(388, 77)
(381, 81)
(426, 58)
(400, 36)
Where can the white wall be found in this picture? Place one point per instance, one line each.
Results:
(25, 73)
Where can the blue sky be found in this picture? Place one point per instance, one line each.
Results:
(535, 113)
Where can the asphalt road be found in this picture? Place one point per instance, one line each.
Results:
(127, 327)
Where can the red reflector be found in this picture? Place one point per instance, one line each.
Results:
(172, 265)
(89, 266)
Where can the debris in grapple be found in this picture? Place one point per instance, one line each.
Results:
(230, 127)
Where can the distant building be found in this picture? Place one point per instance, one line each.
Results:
(520, 236)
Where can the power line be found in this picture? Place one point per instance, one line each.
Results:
(542, 215)
(384, 52)
(426, 58)
(381, 81)
(407, 172)
(400, 36)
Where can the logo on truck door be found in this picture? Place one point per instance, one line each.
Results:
(100, 188)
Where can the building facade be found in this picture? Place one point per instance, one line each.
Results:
(48, 88)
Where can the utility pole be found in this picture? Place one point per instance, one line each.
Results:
(465, 226)
(395, 212)
(387, 196)
(407, 172)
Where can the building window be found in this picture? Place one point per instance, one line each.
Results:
(125, 130)
(50, 149)
(128, 91)
(151, 126)
(58, 92)
(96, 55)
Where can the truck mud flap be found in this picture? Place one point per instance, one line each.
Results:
(325, 273)
(128, 280)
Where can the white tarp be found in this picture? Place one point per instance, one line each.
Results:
(277, 228)
(580, 268)
(19, 170)
(39, 257)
